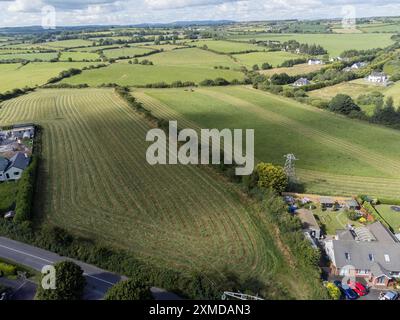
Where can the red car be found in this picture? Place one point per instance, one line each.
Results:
(359, 288)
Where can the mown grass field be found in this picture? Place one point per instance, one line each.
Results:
(273, 58)
(78, 56)
(97, 184)
(126, 52)
(139, 75)
(36, 73)
(334, 43)
(227, 46)
(337, 155)
(293, 71)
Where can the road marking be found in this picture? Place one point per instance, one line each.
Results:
(51, 262)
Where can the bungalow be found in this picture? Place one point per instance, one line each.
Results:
(310, 224)
(371, 253)
(314, 62)
(12, 169)
(358, 65)
(327, 202)
(378, 77)
(301, 82)
(351, 204)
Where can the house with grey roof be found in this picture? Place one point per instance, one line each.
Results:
(12, 169)
(309, 223)
(372, 252)
(301, 82)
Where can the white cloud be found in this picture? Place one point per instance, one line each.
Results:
(26, 6)
(174, 4)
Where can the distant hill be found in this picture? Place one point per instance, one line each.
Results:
(39, 29)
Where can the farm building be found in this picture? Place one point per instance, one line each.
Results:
(301, 82)
(314, 62)
(13, 168)
(310, 224)
(371, 252)
(378, 77)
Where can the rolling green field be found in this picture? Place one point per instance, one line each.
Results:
(337, 155)
(273, 58)
(355, 88)
(227, 46)
(44, 56)
(78, 56)
(181, 217)
(334, 43)
(139, 75)
(192, 57)
(126, 52)
(67, 43)
(36, 73)
(380, 27)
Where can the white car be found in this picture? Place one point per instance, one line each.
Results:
(389, 295)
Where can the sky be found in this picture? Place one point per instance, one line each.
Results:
(122, 12)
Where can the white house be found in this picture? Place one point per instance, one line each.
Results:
(301, 82)
(378, 77)
(12, 169)
(314, 62)
(358, 65)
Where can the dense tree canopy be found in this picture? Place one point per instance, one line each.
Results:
(271, 177)
(70, 283)
(344, 104)
(131, 289)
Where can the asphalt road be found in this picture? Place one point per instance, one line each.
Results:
(98, 280)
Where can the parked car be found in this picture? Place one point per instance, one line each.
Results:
(359, 288)
(346, 290)
(9, 215)
(6, 294)
(389, 295)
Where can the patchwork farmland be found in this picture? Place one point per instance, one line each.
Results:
(111, 194)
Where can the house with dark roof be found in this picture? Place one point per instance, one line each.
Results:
(12, 169)
(371, 252)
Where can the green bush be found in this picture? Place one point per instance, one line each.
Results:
(132, 289)
(7, 269)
